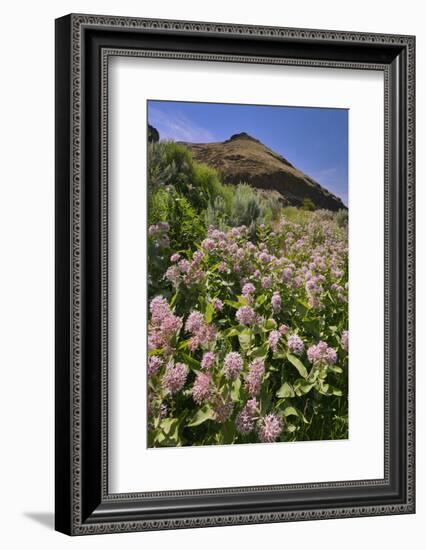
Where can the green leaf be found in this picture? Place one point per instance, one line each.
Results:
(337, 370)
(169, 425)
(285, 391)
(206, 413)
(235, 305)
(296, 362)
(174, 298)
(193, 363)
(261, 351)
(245, 339)
(313, 375)
(235, 392)
(261, 300)
(242, 300)
(291, 428)
(183, 344)
(228, 432)
(208, 316)
(270, 324)
(155, 351)
(301, 307)
(313, 327)
(336, 392)
(232, 331)
(290, 411)
(301, 387)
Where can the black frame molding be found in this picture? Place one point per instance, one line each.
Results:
(84, 43)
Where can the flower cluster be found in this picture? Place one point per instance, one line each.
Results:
(154, 365)
(233, 365)
(295, 344)
(245, 420)
(208, 360)
(247, 337)
(159, 233)
(203, 388)
(345, 340)
(202, 332)
(321, 352)
(254, 377)
(246, 315)
(270, 428)
(163, 325)
(273, 339)
(175, 377)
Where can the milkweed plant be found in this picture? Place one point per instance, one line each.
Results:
(248, 334)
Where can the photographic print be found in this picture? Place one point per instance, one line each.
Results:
(247, 274)
(214, 272)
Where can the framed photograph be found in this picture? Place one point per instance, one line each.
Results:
(234, 274)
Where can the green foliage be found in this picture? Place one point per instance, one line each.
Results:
(308, 204)
(311, 399)
(185, 198)
(342, 218)
(173, 175)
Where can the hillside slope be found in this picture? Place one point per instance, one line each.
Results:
(243, 158)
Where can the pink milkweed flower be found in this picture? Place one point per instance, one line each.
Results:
(266, 282)
(246, 315)
(197, 256)
(208, 360)
(163, 324)
(202, 389)
(173, 275)
(195, 321)
(222, 409)
(254, 377)
(217, 304)
(175, 377)
(233, 365)
(264, 257)
(287, 273)
(331, 356)
(208, 244)
(202, 332)
(154, 364)
(322, 353)
(283, 329)
(184, 266)
(159, 309)
(245, 420)
(295, 344)
(270, 428)
(248, 290)
(273, 339)
(175, 257)
(345, 340)
(276, 302)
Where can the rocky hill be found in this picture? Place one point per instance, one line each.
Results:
(242, 158)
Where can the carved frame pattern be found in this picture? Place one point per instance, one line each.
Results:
(71, 517)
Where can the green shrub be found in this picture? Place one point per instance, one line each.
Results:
(308, 204)
(342, 218)
(216, 214)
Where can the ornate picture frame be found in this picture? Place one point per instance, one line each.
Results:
(84, 45)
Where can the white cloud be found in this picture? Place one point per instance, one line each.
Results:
(178, 127)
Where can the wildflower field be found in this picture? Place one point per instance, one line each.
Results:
(248, 312)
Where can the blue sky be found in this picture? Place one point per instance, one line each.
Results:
(315, 140)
